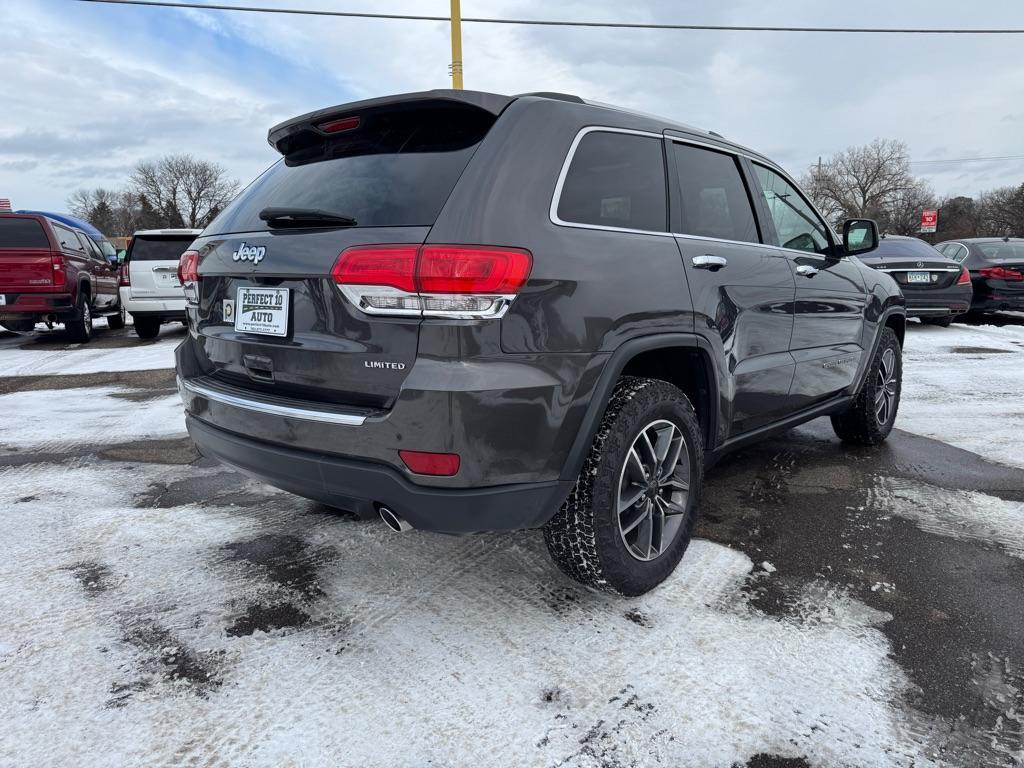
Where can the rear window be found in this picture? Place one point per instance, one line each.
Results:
(22, 233)
(910, 249)
(616, 180)
(147, 248)
(397, 168)
(1001, 251)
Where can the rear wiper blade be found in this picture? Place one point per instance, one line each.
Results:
(298, 217)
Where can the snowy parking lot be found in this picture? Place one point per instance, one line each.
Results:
(838, 607)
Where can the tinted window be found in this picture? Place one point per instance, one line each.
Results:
(957, 252)
(1001, 251)
(797, 225)
(148, 248)
(394, 169)
(715, 202)
(89, 246)
(912, 248)
(616, 180)
(66, 238)
(22, 233)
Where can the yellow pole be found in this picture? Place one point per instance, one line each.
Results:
(456, 66)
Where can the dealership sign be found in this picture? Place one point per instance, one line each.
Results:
(929, 220)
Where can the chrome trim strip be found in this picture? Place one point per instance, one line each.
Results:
(918, 269)
(270, 408)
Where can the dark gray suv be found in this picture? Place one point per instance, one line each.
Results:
(470, 312)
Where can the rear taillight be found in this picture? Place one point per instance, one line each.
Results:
(60, 276)
(456, 281)
(1002, 273)
(124, 275)
(429, 463)
(188, 275)
(965, 277)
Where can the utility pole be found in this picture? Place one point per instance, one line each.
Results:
(456, 66)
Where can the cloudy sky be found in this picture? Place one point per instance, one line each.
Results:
(88, 90)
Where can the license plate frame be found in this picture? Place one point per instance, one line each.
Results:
(919, 278)
(262, 316)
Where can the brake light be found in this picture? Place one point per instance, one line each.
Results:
(339, 125)
(124, 276)
(456, 281)
(428, 463)
(60, 277)
(1002, 273)
(965, 277)
(188, 275)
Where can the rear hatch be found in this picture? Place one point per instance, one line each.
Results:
(152, 264)
(25, 256)
(370, 174)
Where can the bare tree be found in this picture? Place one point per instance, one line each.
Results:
(959, 217)
(872, 181)
(1003, 211)
(183, 190)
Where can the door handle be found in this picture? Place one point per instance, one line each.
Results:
(806, 270)
(707, 261)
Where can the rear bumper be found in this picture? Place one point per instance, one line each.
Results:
(36, 304)
(360, 486)
(168, 308)
(954, 300)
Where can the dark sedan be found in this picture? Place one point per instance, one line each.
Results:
(936, 288)
(996, 265)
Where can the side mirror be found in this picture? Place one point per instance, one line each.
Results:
(859, 236)
(112, 260)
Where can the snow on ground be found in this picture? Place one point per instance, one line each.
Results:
(965, 515)
(964, 385)
(144, 356)
(45, 419)
(134, 632)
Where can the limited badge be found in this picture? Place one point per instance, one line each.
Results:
(228, 311)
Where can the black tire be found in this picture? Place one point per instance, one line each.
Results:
(869, 420)
(147, 327)
(79, 328)
(586, 538)
(116, 322)
(942, 322)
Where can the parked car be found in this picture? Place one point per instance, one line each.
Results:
(105, 246)
(471, 312)
(936, 288)
(996, 265)
(150, 289)
(53, 273)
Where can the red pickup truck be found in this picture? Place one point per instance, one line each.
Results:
(53, 273)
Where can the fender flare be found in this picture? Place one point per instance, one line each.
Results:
(606, 383)
(862, 374)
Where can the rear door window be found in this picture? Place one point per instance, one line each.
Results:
(393, 169)
(22, 233)
(147, 248)
(715, 202)
(616, 180)
(797, 225)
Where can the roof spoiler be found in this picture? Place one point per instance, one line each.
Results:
(311, 122)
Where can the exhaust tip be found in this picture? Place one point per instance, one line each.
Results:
(393, 520)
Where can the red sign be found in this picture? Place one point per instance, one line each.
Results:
(929, 220)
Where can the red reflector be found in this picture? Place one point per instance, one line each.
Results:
(427, 463)
(965, 277)
(188, 267)
(392, 265)
(59, 275)
(469, 269)
(339, 125)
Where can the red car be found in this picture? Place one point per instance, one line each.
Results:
(53, 273)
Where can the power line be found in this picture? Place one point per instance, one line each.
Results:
(555, 23)
(966, 160)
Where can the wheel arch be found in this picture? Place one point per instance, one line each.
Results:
(684, 360)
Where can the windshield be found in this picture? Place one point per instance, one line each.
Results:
(394, 170)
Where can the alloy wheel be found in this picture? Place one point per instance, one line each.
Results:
(654, 485)
(885, 396)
